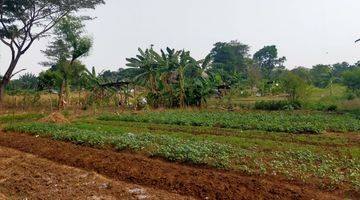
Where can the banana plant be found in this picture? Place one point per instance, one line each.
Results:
(176, 77)
(147, 64)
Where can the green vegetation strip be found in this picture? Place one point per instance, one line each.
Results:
(264, 121)
(19, 117)
(171, 148)
(327, 168)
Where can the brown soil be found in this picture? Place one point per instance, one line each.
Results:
(185, 180)
(55, 117)
(24, 176)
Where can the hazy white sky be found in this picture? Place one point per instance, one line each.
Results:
(307, 32)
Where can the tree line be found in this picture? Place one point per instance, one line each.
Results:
(171, 78)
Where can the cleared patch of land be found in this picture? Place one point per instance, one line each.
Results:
(25, 176)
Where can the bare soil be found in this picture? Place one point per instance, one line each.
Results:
(199, 182)
(25, 176)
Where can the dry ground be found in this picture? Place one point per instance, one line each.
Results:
(25, 176)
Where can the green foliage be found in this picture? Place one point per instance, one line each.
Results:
(173, 149)
(49, 79)
(20, 117)
(229, 59)
(277, 105)
(63, 52)
(267, 59)
(338, 70)
(352, 79)
(273, 122)
(173, 78)
(69, 43)
(322, 106)
(310, 165)
(322, 75)
(26, 82)
(294, 86)
(303, 73)
(299, 157)
(27, 17)
(120, 75)
(23, 22)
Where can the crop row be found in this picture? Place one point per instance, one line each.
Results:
(293, 163)
(171, 148)
(264, 121)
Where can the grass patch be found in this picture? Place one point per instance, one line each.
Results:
(20, 117)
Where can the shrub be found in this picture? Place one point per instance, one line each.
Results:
(332, 108)
(295, 87)
(324, 107)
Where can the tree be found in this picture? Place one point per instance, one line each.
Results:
(338, 69)
(147, 67)
(294, 86)
(268, 60)
(28, 81)
(48, 80)
(109, 76)
(23, 22)
(352, 79)
(68, 46)
(173, 78)
(303, 73)
(322, 75)
(253, 77)
(230, 58)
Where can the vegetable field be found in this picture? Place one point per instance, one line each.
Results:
(317, 149)
(289, 122)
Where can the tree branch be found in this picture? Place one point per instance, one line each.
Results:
(14, 74)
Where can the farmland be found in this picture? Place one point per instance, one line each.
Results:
(323, 156)
(179, 100)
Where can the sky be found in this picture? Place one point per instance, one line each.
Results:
(307, 32)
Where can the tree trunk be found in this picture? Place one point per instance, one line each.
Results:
(61, 103)
(6, 79)
(2, 91)
(182, 88)
(67, 92)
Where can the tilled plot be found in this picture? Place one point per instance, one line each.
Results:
(185, 180)
(25, 176)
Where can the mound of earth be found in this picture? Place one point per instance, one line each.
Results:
(55, 117)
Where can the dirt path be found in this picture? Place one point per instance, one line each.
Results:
(185, 180)
(24, 176)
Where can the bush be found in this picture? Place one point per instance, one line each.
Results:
(277, 105)
(350, 96)
(332, 108)
(324, 107)
(295, 87)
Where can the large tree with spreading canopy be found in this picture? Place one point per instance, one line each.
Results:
(24, 21)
